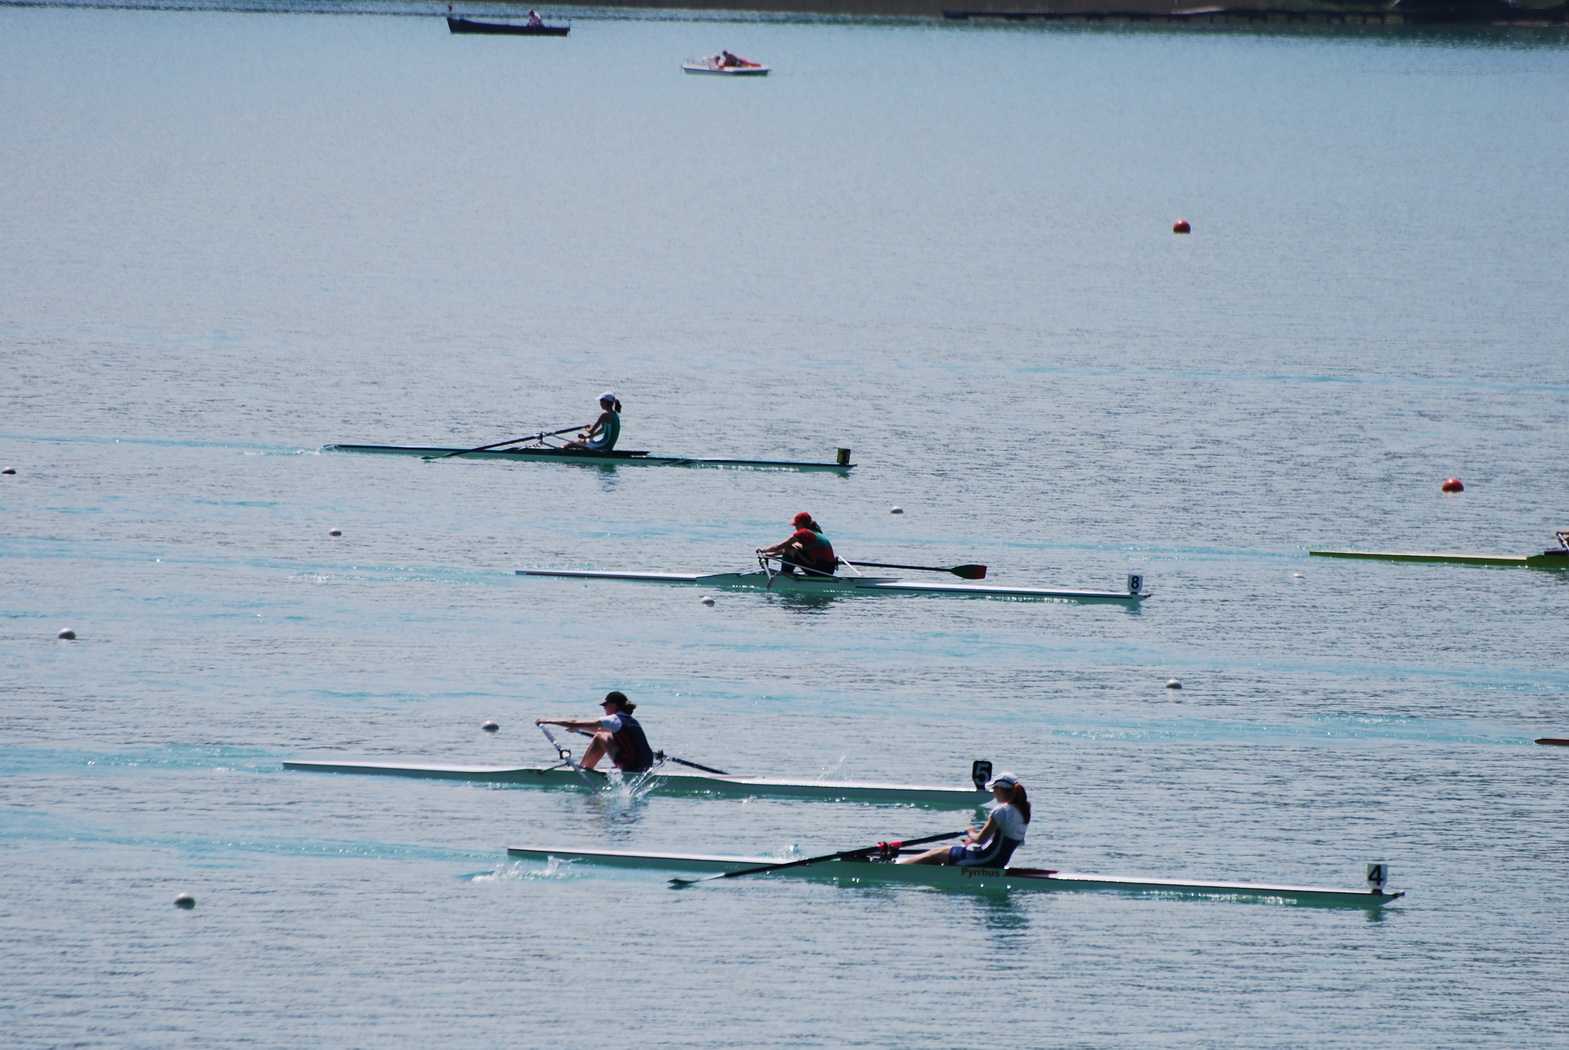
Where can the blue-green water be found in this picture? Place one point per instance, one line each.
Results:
(232, 238)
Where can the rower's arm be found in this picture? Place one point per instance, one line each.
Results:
(987, 831)
(589, 724)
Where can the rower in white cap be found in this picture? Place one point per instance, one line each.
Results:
(601, 435)
(993, 844)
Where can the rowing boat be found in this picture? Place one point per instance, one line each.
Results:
(861, 871)
(464, 25)
(834, 585)
(617, 458)
(668, 783)
(716, 64)
(1557, 558)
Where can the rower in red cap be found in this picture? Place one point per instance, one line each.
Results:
(807, 549)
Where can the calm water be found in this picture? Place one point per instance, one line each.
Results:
(232, 238)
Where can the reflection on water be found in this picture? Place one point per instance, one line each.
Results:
(999, 913)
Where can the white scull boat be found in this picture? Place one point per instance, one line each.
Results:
(865, 871)
(668, 783)
(782, 583)
(717, 64)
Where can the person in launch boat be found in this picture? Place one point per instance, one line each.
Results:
(534, 19)
(807, 548)
(616, 734)
(995, 842)
(601, 435)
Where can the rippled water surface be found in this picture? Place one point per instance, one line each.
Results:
(233, 238)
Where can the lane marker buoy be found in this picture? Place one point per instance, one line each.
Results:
(1173, 683)
(1452, 485)
(184, 900)
(895, 510)
(66, 634)
(1181, 226)
(706, 600)
(335, 532)
(489, 727)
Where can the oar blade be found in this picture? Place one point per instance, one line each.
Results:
(969, 572)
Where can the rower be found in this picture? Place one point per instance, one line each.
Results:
(617, 734)
(534, 19)
(807, 548)
(601, 435)
(995, 842)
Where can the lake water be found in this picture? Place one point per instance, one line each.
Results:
(232, 238)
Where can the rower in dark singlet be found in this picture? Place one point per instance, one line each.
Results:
(806, 549)
(617, 734)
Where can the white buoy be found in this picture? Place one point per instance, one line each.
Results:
(66, 634)
(896, 509)
(707, 599)
(184, 900)
(335, 532)
(489, 726)
(1173, 683)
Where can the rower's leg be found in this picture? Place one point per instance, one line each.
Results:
(931, 856)
(596, 750)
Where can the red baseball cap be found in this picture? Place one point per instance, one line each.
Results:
(802, 518)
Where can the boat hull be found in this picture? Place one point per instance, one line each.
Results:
(728, 71)
(464, 25)
(1549, 559)
(974, 880)
(668, 783)
(590, 458)
(835, 585)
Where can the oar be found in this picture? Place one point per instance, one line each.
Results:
(964, 572)
(566, 757)
(660, 756)
(881, 847)
(509, 441)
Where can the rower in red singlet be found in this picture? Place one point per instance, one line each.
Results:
(807, 549)
(617, 734)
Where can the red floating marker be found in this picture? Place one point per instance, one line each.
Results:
(1452, 485)
(1181, 226)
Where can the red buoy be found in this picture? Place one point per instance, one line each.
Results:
(1452, 485)
(1181, 226)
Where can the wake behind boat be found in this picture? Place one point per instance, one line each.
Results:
(1552, 558)
(871, 867)
(785, 583)
(662, 781)
(590, 457)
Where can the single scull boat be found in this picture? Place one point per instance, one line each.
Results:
(1552, 558)
(720, 65)
(633, 458)
(869, 871)
(831, 585)
(465, 25)
(563, 776)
